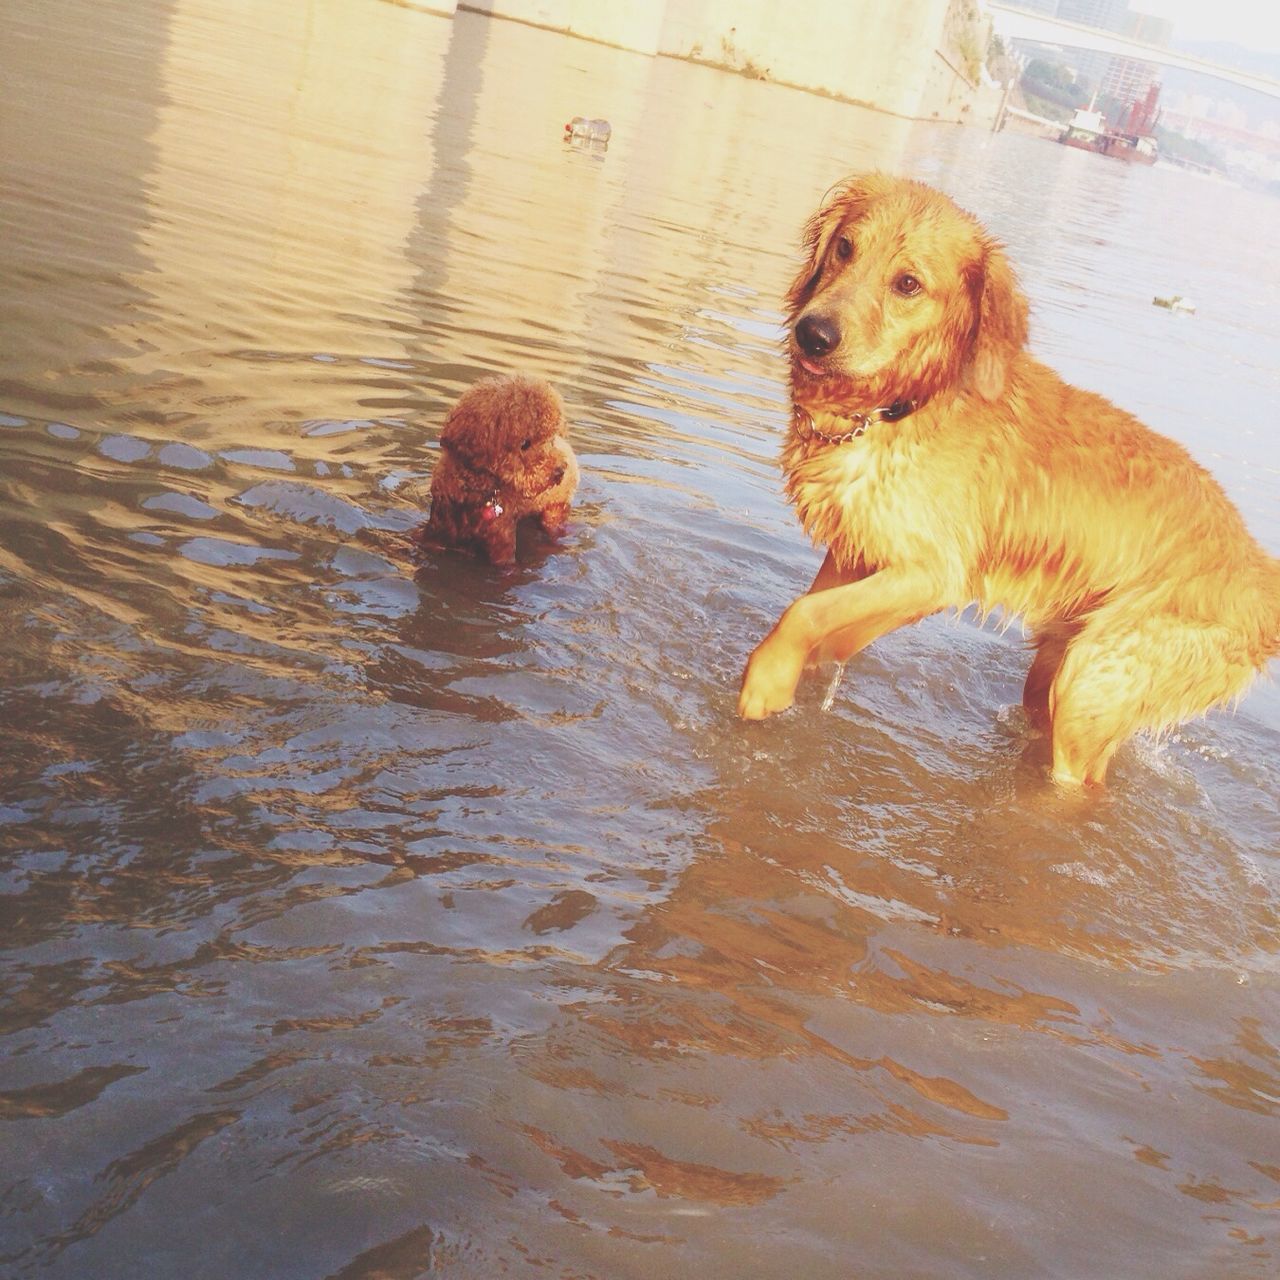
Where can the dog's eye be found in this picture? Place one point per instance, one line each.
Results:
(907, 285)
(844, 248)
(526, 444)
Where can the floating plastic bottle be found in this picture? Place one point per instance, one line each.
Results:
(1176, 303)
(580, 129)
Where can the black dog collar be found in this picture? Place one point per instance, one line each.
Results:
(859, 422)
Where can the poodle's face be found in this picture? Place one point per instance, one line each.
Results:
(513, 430)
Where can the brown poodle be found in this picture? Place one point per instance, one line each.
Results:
(504, 458)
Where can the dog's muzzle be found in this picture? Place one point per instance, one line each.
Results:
(816, 335)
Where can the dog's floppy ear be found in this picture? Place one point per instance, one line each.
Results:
(470, 432)
(466, 451)
(845, 202)
(817, 236)
(1000, 323)
(462, 453)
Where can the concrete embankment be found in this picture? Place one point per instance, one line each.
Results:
(918, 59)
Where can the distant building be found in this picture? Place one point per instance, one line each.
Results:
(1130, 79)
(1105, 15)
(1126, 79)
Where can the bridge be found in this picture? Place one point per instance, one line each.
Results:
(1017, 24)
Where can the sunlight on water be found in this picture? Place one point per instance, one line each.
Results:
(367, 925)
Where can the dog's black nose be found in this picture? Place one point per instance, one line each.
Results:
(817, 335)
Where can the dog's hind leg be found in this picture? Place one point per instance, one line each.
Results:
(1097, 698)
(1051, 646)
(1121, 675)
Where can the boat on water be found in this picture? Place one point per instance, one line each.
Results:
(1134, 141)
(1088, 130)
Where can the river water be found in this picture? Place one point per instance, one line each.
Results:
(368, 926)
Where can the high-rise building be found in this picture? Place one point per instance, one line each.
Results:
(1130, 79)
(1105, 15)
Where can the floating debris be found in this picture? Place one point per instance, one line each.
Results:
(580, 129)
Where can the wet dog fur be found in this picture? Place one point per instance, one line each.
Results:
(986, 478)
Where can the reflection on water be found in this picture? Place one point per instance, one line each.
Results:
(364, 926)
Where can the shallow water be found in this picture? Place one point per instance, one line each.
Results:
(365, 926)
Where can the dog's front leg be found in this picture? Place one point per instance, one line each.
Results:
(498, 537)
(834, 574)
(554, 518)
(831, 623)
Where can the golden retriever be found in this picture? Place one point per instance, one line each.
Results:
(940, 464)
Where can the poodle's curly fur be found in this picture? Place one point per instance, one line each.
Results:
(504, 458)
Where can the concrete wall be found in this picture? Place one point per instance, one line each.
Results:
(919, 59)
(876, 54)
(443, 8)
(630, 24)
